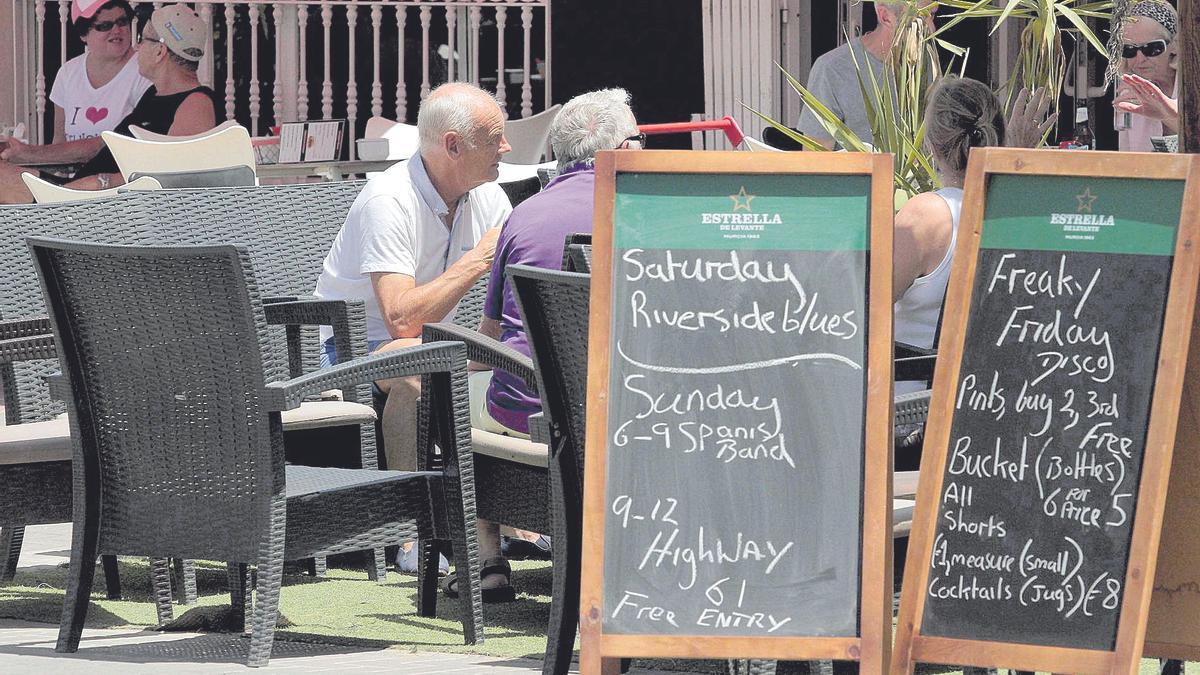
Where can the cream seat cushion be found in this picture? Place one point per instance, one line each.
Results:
(509, 448)
(50, 441)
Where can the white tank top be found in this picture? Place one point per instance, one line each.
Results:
(917, 311)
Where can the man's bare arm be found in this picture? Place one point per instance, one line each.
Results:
(407, 307)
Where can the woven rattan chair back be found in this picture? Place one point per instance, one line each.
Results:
(288, 230)
(469, 310)
(26, 396)
(167, 385)
(554, 307)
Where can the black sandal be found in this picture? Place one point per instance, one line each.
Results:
(497, 565)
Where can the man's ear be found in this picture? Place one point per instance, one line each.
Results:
(452, 144)
(884, 14)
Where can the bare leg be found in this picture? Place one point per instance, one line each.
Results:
(12, 188)
(400, 414)
(489, 547)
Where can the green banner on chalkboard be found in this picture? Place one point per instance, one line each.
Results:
(1084, 214)
(744, 211)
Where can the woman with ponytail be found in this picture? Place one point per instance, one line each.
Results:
(961, 114)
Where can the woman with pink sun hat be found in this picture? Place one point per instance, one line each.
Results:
(94, 91)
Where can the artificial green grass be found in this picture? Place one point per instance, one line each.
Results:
(344, 607)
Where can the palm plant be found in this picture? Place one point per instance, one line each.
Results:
(1042, 61)
(895, 104)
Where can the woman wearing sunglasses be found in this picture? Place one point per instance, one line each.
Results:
(1148, 71)
(94, 91)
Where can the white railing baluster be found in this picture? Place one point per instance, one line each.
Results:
(352, 79)
(302, 86)
(376, 84)
(546, 57)
(501, 79)
(425, 16)
(276, 90)
(289, 97)
(230, 93)
(255, 93)
(401, 85)
(451, 34)
(205, 71)
(39, 85)
(475, 15)
(64, 9)
(527, 84)
(327, 84)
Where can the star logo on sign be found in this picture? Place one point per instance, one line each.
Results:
(1086, 200)
(741, 201)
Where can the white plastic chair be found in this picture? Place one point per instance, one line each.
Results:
(754, 145)
(528, 136)
(511, 173)
(147, 135)
(225, 157)
(403, 139)
(45, 192)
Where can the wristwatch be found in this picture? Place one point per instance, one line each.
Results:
(104, 180)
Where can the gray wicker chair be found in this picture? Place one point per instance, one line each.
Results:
(178, 440)
(288, 245)
(554, 310)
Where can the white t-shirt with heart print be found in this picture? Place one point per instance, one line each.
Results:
(89, 110)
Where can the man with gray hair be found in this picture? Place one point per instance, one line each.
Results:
(834, 75)
(534, 235)
(418, 237)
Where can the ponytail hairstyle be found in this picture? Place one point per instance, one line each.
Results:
(961, 114)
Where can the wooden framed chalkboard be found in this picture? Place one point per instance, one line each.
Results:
(737, 498)
(1051, 428)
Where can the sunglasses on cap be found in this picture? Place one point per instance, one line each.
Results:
(640, 139)
(105, 26)
(1150, 49)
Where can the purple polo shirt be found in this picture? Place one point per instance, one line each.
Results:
(534, 235)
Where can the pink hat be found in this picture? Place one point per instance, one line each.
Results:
(85, 9)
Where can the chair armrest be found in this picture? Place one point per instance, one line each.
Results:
(271, 299)
(485, 350)
(436, 357)
(915, 368)
(912, 408)
(60, 390)
(903, 350)
(539, 429)
(347, 317)
(18, 328)
(28, 348)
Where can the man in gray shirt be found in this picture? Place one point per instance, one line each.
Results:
(833, 79)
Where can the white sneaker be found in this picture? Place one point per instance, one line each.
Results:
(407, 560)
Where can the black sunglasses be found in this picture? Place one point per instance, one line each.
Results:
(105, 26)
(1150, 49)
(640, 139)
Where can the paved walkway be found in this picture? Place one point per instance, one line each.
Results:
(29, 647)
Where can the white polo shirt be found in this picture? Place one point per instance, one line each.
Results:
(396, 225)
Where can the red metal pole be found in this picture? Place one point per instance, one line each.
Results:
(726, 124)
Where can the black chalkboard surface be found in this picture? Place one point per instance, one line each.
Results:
(727, 461)
(1027, 540)
(738, 381)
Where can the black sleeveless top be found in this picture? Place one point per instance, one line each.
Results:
(153, 113)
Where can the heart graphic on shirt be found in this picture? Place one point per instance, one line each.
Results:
(94, 115)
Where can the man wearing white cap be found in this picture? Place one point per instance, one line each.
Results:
(169, 51)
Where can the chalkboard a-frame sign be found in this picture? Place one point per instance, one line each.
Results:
(1048, 449)
(737, 496)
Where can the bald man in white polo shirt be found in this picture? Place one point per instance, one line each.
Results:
(417, 238)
